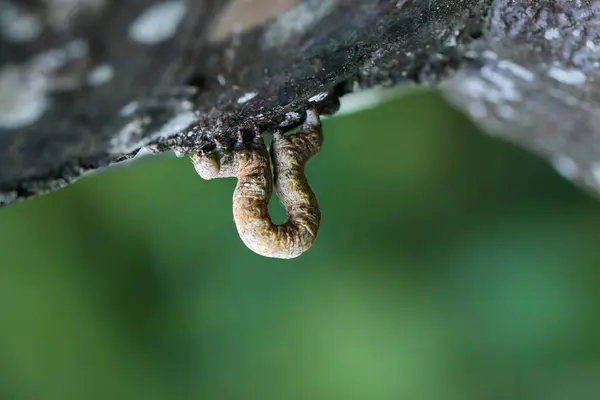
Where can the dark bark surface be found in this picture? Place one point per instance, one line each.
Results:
(88, 83)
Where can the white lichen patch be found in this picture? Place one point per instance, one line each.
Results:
(296, 21)
(52, 60)
(129, 109)
(493, 94)
(177, 124)
(318, 97)
(133, 135)
(247, 97)
(365, 99)
(517, 70)
(22, 97)
(506, 88)
(506, 112)
(24, 88)
(497, 86)
(565, 166)
(158, 23)
(567, 76)
(590, 44)
(7, 197)
(551, 34)
(18, 25)
(291, 117)
(100, 75)
(477, 109)
(126, 139)
(479, 88)
(487, 54)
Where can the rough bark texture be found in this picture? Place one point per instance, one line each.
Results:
(533, 79)
(87, 83)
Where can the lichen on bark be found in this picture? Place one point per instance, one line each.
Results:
(527, 71)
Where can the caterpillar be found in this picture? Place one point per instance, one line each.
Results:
(250, 164)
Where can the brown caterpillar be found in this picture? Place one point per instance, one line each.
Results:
(251, 166)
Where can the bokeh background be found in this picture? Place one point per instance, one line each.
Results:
(449, 265)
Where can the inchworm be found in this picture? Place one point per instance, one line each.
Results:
(250, 164)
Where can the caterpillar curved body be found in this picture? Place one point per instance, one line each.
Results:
(250, 164)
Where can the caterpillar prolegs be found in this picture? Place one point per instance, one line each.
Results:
(250, 164)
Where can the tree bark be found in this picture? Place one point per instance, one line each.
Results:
(89, 83)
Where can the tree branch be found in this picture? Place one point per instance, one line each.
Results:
(95, 87)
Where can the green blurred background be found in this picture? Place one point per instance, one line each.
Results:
(449, 265)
